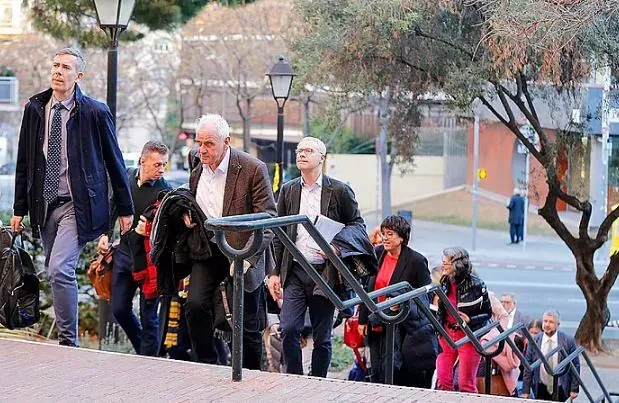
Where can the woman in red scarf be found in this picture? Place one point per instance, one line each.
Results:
(416, 343)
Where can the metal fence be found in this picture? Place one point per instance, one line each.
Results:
(402, 294)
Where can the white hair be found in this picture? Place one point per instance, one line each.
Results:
(317, 143)
(221, 125)
(516, 191)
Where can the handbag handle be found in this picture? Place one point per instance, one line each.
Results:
(14, 238)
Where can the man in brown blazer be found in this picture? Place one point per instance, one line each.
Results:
(227, 182)
(312, 194)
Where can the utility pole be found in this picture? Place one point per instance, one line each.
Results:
(475, 180)
(527, 165)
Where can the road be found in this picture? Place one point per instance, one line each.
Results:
(537, 290)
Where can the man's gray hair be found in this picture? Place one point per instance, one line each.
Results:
(81, 62)
(511, 296)
(460, 261)
(554, 313)
(317, 143)
(221, 125)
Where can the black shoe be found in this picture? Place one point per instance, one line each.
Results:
(67, 343)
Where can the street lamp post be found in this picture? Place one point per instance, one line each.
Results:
(281, 76)
(113, 17)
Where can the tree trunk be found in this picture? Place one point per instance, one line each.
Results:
(247, 127)
(589, 332)
(307, 131)
(383, 152)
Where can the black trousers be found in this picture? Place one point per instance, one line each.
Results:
(205, 279)
(298, 297)
(515, 232)
(543, 394)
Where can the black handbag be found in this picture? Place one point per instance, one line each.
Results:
(19, 288)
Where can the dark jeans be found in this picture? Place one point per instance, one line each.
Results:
(515, 232)
(543, 394)
(205, 279)
(298, 296)
(143, 334)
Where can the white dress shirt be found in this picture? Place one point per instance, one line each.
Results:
(211, 187)
(546, 347)
(310, 206)
(510, 318)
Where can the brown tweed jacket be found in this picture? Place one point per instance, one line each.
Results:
(247, 190)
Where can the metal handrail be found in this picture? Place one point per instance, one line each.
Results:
(257, 223)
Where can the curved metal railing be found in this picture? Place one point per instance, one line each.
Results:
(401, 294)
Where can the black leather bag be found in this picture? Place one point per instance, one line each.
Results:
(19, 288)
(223, 306)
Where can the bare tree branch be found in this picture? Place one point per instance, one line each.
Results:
(602, 233)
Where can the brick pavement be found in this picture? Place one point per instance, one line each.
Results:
(38, 372)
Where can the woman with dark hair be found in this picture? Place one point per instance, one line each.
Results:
(469, 295)
(416, 343)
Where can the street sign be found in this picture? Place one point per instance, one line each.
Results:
(482, 173)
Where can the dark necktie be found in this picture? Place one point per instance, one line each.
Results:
(52, 171)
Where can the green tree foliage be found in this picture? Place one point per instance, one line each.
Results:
(509, 56)
(339, 139)
(76, 20)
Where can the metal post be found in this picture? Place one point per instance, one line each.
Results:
(555, 388)
(106, 319)
(488, 376)
(527, 168)
(390, 345)
(112, 75)
(475, 180)
(279, 158)
(237, 321)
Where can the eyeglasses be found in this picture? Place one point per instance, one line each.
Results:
(389, 234)
(306, 151)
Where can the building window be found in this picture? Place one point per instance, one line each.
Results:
(6, 15)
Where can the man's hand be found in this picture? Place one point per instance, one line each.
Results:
(275, 287)
(16, 223)
(333, 248)
(464, 317)
(103, 246)
(187, 221)
(363, 330)
(141, 227)
(573, 395)
(125, 223)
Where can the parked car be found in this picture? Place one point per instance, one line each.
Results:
(177, 178)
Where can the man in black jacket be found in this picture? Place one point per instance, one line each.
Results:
(312, 194)
(145, 183)
(67, 149)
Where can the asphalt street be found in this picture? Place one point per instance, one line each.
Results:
(542, 277)
(537, 290)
